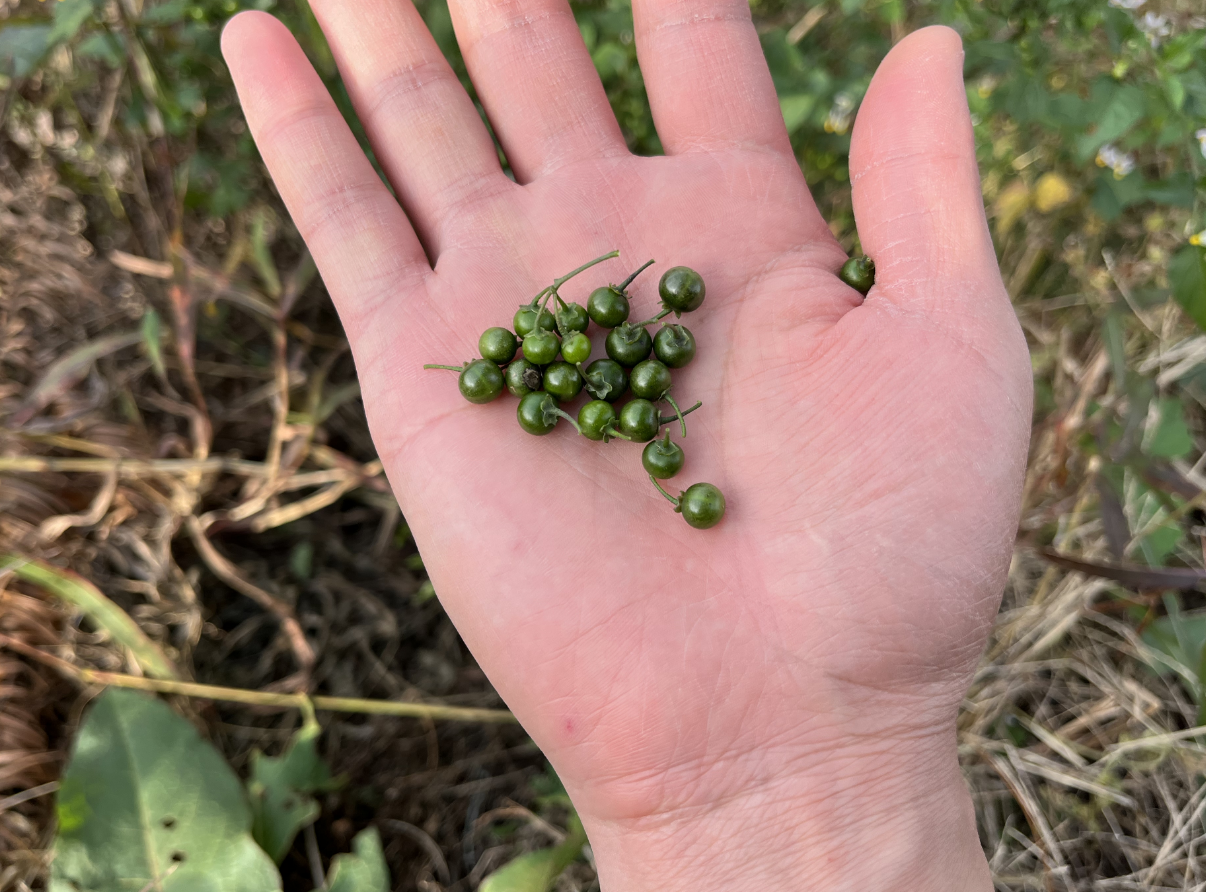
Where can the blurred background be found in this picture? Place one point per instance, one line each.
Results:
(188, 489)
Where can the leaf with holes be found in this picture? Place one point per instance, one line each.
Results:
(281, 789)
(362, 871)
(145, 803)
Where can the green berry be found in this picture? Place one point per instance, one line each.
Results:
(498, 345)
(629, 344)
(525, 320)
(606, 380)
(541, 347)
(682, 289)
(607, 307)
(523, 377)
(640, 420)
(563, 381)
(674, 345)
(663, 459)
(596, 418)
(572, 318)
(481, 381)
(702, 505)
(858, 273)
(576, 348)
(536, 415)
(649, 380)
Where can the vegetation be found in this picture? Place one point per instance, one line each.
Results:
(188, 491)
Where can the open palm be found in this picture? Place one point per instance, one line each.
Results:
(871, 450)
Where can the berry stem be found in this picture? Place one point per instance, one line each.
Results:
(624, 285)
(570, 418)
(451, 368)
(666, 311)
(682, 422)
(677, 503)
(667, 420)
(610, 431)
(557, 283)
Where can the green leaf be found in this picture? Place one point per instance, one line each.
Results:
(280, 789)
(69, 17)
(537, 871)
(152, 334)
(796, 110)
(1171, 437)
(22, 48)
(145, 803)
(83, 594)
(1187, 275)
(363, 871)
(1123, 110)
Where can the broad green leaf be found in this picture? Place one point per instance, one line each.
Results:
(364, 870)
(1187, 275)
(1171, 438)
(1123, 110)
(280, 789)
(145, 803)
(69, 17)
(22, 48)
(83, 594)
(796, 110)
(537, 871)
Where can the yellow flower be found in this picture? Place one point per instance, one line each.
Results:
(1198, 238)
(1050, 192)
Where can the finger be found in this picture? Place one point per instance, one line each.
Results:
(916, 186)
(359, 236)
(537, 83)
(708, 83)
(424, 128)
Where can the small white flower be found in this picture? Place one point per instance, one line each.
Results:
(1127, 4)
(1122, 163)
(1155, 26)
(1200, 136)
(838, 119)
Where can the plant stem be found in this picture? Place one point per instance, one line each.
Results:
(557, 283)
(623, 286)
(259, 698)
(570, 418)
(673, 501)
(451, 368)
(666, 311)
(665, 420)
(682, 422)
(610, 431)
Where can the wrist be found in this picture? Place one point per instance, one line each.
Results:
(899, 818)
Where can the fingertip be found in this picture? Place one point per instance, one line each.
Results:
(243, 29)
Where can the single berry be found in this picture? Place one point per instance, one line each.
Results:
(606, 380)
(649, 380)
(563, 381)
(481, 381)
(674, 345)
(858, 273)
(498, 345)
(663, 459)
(608, 307)
(629, 344)
(640, 420)
(596, 418)
(541, 347)
(536, 415)
(525, 319)
(682, 289)
(576, 348)
(572, 318)
(702, 505)
(523, 377)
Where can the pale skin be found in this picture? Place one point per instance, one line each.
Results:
(769, 704)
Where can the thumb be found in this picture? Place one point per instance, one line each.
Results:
(916, 186)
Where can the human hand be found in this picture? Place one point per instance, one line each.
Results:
(770, 703)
